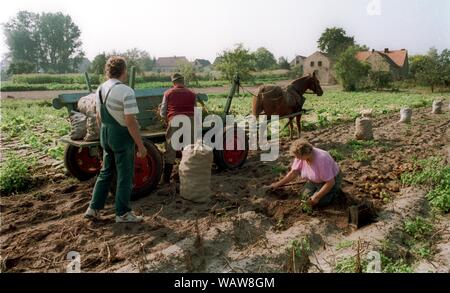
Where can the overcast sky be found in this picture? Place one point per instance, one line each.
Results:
(203, 28)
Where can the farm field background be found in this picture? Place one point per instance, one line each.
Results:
(36, 125)
(48, 82)
(402, 172)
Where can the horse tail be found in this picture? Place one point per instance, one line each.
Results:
(257, 104)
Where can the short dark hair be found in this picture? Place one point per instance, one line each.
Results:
(115, 66)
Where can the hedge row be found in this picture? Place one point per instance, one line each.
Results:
(39, 79)
(19, 87)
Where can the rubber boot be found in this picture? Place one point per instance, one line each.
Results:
(167, 173)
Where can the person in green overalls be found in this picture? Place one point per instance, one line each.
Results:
(119, 133)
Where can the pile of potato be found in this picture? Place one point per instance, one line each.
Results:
(379, 186)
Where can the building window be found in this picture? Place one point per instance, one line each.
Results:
(312, 63)
(319, 63)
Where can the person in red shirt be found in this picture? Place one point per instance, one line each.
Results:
(178, 100)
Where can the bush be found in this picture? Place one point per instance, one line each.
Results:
(12, 87)
(14, 174)
(350, 71)
(21, 67)
(296, 72)
(380, 79)
(236, 61)
(54, 78)
(435, 173)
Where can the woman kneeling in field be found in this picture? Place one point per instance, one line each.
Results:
(319, 168)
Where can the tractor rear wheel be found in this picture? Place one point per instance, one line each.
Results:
(83, 163)
(147, 172)
(232, 157)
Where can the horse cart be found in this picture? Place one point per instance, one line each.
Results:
(83, 159)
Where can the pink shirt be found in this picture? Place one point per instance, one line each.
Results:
(322, 169)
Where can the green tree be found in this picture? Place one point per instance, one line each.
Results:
(238, 60)
(350, 71)
(188, 71)
(60, 43)
(283, 63)
(296, 71)
(416, 64)
(98, 64)
(264, 59)
(381, 79)
(22, 38)
(334, 41)
(427, 69)
(139, 59)
(444, 61)
(20, 67)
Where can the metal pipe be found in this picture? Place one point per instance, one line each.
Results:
(88, 81)
(132, 77)
(234, 87)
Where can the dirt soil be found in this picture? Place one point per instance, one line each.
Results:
(243, 228)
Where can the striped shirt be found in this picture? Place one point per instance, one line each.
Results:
(121, 100)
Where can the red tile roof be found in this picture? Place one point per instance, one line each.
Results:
(398, 57)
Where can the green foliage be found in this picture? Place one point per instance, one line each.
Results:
(264, 59)
(334, 41)
(36, 125)
(418, 228)
(236, 61)
(444, 61)
(20, 67)
(50, 41)
(439, 197)
(279, 169)
(422, 252)
(301, 247)
(388, 265)
(432, 69)
(436, 174)
(344, 244)
(361, 156)
(60, 43)
(283, 63)
(337, 155)
(395, 266)
(361, 144)
(140, 59)
(306, 208)
(22, 38)
(15, 173)
(40, 79)
(98, 64)
(188, 71)
(337, 106)
(296, 72)
(380, 79)
(350, 71)
(11, 87)
(350, 265)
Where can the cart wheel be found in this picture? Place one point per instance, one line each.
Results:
(147, 172)
(231, 158)
(82, 163)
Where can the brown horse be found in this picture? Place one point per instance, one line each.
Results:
(264, 104)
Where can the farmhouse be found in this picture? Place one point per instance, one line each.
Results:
(298, 61)
(169, 64)
(322, 65)
(202, 64)
(395, 61)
